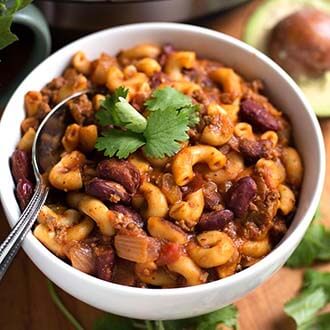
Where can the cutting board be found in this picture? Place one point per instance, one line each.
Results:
(26, 304)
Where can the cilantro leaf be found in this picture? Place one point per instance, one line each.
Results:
(171, 115)
(129, 117)
(314, 246)
(319, 322)
(115, 110)
(164, 130)
(119, 143)
(113, 322)
(105, 115)
(18, 5)
(170, 98)
(314, 279)
(6, 19)
(7, 37)
(306, 305)
(193, 114)
(227, 316)
(165, 98)
(315, 295)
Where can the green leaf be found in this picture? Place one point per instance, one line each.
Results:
(119, 143)
(314, 279)
(164, 130)
(170, 98)
(306, 305)
(193, 114)
(6, 19)
(115, 110)
(320, 322)
(129, 117)
(6, 36)
(113, 322)
(227, 316)
(165, 98)
(314, 246)
(18, 5)
(324, 247)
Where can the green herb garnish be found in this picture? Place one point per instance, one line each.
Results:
(164, 130)
(115, 110)
(7, 11)
(314, 246)
(119, 143)
(171, 115)
(314, 296)
(227, 316)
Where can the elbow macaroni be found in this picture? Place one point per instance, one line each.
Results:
(157, 203)
(215, 248)
(185, 160)
(188, 212)
(168, 222)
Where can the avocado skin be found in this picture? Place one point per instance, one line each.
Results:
(257, 32)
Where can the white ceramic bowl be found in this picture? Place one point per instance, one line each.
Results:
(190, 301)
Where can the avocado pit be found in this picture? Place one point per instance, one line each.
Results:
(300, 43)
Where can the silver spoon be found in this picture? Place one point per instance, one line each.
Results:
(48, 130)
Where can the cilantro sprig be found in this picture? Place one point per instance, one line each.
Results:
(7, 11)
(118, 112)
(315, 294)
(171, 114)
(314, 246)
(227, 316)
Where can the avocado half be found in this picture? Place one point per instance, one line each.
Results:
(257, 30)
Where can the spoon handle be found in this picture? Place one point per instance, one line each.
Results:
(11, 245)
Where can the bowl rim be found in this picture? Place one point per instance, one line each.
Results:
(274, 256)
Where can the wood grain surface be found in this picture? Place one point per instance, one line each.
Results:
(26, 304)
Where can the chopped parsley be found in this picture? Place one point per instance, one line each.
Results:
(171, 114)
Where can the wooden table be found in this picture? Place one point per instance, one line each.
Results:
(26, 304)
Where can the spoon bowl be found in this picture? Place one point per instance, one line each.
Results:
(46, 150)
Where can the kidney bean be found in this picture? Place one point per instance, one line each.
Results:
(120, 171)
(167, 49)
(104, 262)
(123, 273)
(255, 114)
(107, 191)
(240, 195)
(254, 150)
(215, 220)
(24, 192)
(20, 165)
(129, 213)
(156, 79)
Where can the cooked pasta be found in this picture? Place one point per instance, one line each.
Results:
(201, 213)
